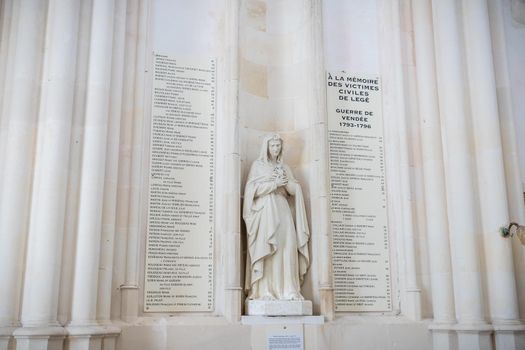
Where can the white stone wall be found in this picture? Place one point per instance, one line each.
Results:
(75, 89)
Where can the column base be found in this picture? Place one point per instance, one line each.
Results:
(85, 342)
(444, 336)
(413, 304)
(109, 342)
(326, 296)
(233, 309)
(509, 336)
(92, 337)
(40, 338)
(475, 336)
(129, 303)
(7, 342)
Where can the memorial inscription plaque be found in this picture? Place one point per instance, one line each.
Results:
(291, 341)
(357, 175)
(179, 247)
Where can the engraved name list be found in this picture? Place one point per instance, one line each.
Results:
(179, 248)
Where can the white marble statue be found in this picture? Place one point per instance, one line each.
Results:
(276, 226)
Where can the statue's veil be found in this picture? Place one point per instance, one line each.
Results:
(264, 156)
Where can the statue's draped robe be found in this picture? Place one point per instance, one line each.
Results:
(277, 235)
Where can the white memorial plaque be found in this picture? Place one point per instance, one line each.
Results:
(179, 249)
(357, 175)
(286, 341)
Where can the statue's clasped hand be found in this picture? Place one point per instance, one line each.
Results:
(279, 176)
(281, 182)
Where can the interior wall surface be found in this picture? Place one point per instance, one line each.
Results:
(277, 74)
(202, 23)
(275, 61)
(75, 124)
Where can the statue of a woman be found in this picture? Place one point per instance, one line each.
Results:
(277, 227)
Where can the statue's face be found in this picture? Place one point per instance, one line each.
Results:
(274, 148)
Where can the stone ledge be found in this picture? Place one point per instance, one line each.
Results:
(508, 327)
(80, 330)
(40, 332)
(263, 320)
(278, 307)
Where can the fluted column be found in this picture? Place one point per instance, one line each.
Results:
(82, 330)
(324, 234)
(489, 160)
(119, 302)
(6, 12)
(19, 115)
(322, 176)
(75, 155)
(392, 66)
(509, 144)
(412, 290)
(107, 241)
(17, 136)
(232, 164)
(7, 38)
(111, 176)
(130, 287)
(433, 168)
(459, 170)
(232, 210)
(502, 291)
(44, 252)
(434, 177)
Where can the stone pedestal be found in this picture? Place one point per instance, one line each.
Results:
(443, 336)
(6, 337)
(474, 340)
(278, 307)
(509, 335)
(304, 330)
(40, 338)
(92, 337)
(474, 336)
